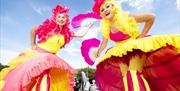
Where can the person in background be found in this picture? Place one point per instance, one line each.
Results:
(93, 86)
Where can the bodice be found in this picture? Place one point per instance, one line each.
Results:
(53, 43)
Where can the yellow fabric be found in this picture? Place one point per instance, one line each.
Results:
(34, 87)
(52, 44)
(15, 62)
(135, 80)
(145, 83)
(1, 84)
(59, 80)
(125, 82)
(122, 22)
(44, 84)
(147, 44)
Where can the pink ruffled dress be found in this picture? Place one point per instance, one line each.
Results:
(39, 69)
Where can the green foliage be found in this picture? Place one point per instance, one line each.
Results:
(2, 66)
(89, 72)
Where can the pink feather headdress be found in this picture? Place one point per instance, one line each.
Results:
(59, 9)
(96, 6)
(44, 31)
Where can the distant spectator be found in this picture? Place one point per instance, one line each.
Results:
(87, 85)
(85, 79)
(93, 86)
(77, 86)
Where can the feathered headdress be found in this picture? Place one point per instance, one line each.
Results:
(50, 25)
(97, 5)
(59, 9)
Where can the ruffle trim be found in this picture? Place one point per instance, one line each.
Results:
(47, 61)
(147, 44)
(21, 58)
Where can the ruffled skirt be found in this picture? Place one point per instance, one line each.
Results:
(161, 67)
(36, 71)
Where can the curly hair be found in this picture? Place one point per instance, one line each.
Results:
(49, 26)
(122, 21)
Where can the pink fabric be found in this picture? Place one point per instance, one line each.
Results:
(41, 50)
(96, 6)
(162, 72)
(162, 69)
(76, 21)
(48, 82)
(129, 82)
(85, 48)
(141, 82)
(18, 78)
(108, 75)
(118, 36)
(38, 86)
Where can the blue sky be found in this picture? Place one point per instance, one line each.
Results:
(18, 16)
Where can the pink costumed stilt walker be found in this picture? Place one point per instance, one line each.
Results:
(39, 68)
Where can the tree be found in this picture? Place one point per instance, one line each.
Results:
(2, 66)
(89, 72)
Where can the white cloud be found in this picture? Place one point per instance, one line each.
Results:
(178, 4)
(92, 33)
(7, 55)
(71, 48)
(39, 9)
(145, 5)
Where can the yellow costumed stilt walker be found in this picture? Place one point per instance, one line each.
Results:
(136, 62)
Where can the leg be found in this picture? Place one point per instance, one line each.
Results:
(134, 80)
(31, 84)
(137, 63)
(123, 68)
(42, 82)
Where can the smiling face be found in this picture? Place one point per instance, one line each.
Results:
(61, 19)
(106, 10)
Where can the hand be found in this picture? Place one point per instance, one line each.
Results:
(83, 33)
(141, 36)
(33, 46)
(90, 24)
(34, 27)
(96, 54)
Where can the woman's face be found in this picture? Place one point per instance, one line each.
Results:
(106, 11)
(61, 19)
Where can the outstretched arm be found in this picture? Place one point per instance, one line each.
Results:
(102, 47)
(33, 37)
(83, 33)
(148, 18)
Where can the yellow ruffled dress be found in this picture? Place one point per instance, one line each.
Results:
(161, 70)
